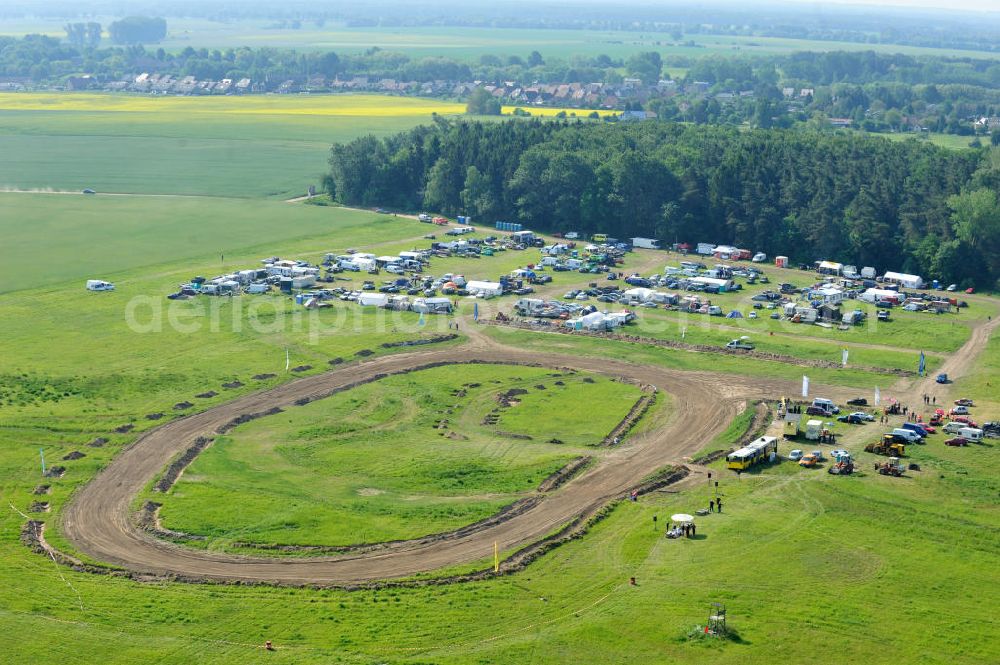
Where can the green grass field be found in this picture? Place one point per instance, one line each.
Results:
(812, 567)
(371, 464)
(260, 146)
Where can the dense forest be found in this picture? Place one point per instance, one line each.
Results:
(867, 201)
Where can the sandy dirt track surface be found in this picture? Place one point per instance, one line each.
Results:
(100, 523)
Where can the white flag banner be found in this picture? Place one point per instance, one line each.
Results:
(684, 332)
(843, 358)
(805, 386)
(288, 360)
(878, 396)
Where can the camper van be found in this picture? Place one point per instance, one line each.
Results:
(971, 433)
(99, 285)
(826, 405)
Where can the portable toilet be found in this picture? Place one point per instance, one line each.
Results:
(781, 262)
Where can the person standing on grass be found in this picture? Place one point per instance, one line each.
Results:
(711, 505)
(718, 504)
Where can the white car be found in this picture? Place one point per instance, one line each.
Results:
(864, 416)
(838, 453)
(752, 315)
(960, 410)
(795, 455)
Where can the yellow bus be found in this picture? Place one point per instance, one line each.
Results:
(755, 452)
(599, 237)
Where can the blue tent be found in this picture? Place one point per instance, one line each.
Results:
(734, 315)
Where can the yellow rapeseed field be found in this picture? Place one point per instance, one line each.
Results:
(317, 105)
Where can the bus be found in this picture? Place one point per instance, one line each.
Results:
(599, 237)
(755, 452)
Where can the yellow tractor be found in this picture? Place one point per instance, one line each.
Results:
(887, 446)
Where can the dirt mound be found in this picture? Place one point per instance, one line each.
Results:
(420, 342)
(335, 361)
(180, 406)
(263, 377)
(245, 418)
(153, 416)
(206, 395)
(559, 477)
(507, 399)
(634, 415)
(55, 472)
(76, 454)
(173, 471)
(41, 489)
(302, 368)
(38, 507)
(364, 353)
(122, 429)
(232, 384)
(98, 442)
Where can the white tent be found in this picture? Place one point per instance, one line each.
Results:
(639, 293)
(373, 299)
(909, 281)
(830, 267)
(489, 288)
(874, 295)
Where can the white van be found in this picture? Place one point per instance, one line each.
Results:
(954, 427)
(99, 285)
(971, 433)
(907, 434)
(826, 404)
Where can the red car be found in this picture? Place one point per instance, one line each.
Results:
(957, 441)
(929, 429)
(964, 419)
(935, 420)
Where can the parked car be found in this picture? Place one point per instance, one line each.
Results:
(964, 402)
(957, 441)
(795, 455)
(838, 453)
(851, 419)
(857, 401)
(808, 460)
(960, 410)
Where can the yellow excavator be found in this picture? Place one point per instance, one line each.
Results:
(887, 446)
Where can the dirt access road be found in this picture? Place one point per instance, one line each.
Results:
(100, 522)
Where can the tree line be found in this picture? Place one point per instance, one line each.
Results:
(906, 206)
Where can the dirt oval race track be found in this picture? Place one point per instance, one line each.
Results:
(100, 523)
